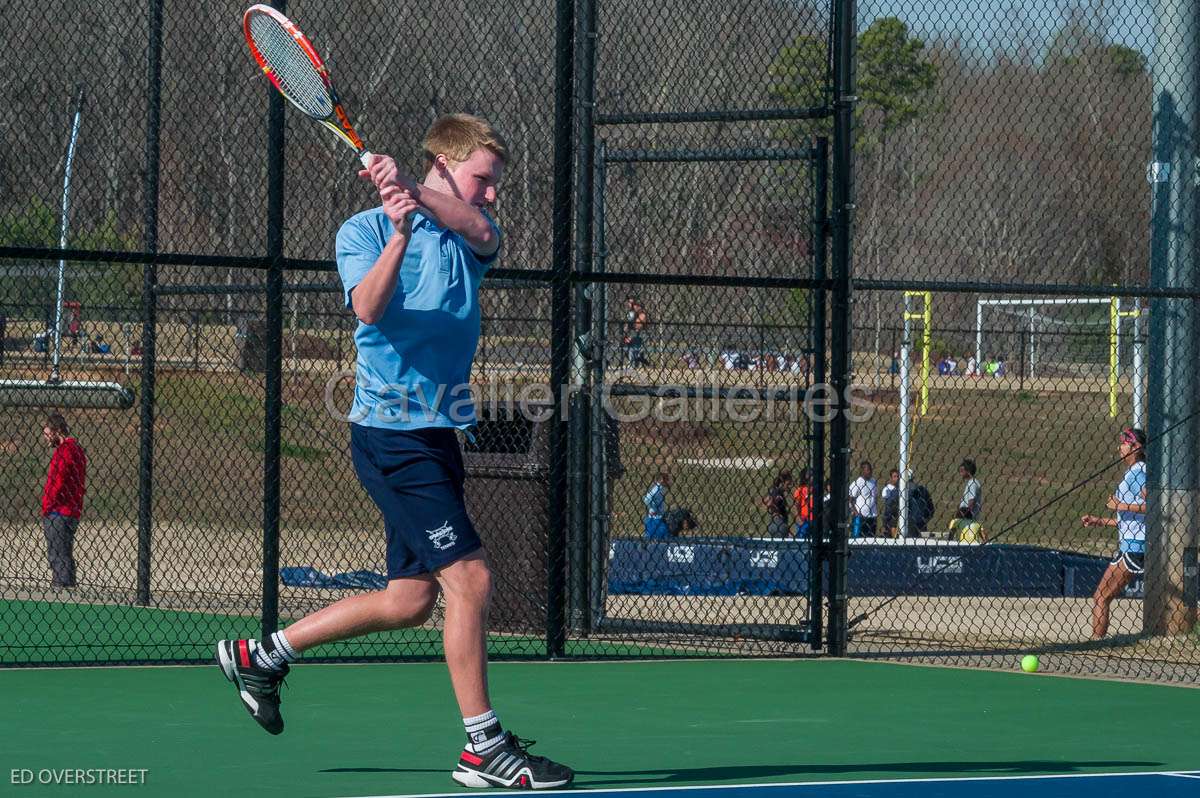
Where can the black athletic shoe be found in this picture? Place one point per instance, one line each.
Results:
(511, 765)
(257, 687)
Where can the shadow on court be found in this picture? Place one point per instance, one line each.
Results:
(753, 773)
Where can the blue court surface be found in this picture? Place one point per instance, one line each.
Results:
(1111, 785)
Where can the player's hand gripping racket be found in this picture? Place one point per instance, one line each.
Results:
(289, 59)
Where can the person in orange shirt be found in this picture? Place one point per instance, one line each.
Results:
(803, 499)
(62, 499)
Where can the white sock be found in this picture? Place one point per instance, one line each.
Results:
(483, 732)
(274, 652)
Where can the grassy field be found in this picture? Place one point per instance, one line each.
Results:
(1031, 447)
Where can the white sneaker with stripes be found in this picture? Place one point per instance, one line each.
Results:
(510, 765)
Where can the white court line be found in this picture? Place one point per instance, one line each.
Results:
(577, 791)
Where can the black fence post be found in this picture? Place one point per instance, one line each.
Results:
(602, 478)
(273, 400)
(560, 322)
(585, 349)
(149, 304)
(841, 360)
(817, 339)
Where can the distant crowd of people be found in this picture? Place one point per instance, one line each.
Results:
(44, 340)
(636, 324)
(876, 513)
(732, 359)
(872, 512)
(948, 365)
(789, 506)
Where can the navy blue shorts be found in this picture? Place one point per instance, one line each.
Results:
(415, 477)
(1135, 561)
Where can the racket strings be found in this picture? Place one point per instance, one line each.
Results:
(298, 78)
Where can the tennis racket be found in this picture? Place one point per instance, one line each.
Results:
(291, 62)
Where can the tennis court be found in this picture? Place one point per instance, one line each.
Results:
(1166, 784)
(832, 363)
(808, 727)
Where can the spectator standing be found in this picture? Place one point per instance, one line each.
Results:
(635, 326)
(802, 496)
(972, 498)
(920, 508)
(864, 507)
(890, 497)
(62, 499)
(655, 523)
(776, 503)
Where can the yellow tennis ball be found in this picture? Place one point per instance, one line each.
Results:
(1029, 663)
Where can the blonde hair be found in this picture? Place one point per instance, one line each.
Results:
(458, 135)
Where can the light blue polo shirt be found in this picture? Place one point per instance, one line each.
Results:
(414, 364)
(1131, 527)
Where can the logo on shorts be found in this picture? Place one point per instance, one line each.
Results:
(443, 537)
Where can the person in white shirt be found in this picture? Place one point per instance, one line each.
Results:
(864, 507)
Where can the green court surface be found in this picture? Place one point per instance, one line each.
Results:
(68, 632)
(384, 729)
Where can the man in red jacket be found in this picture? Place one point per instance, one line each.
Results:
(62, 499)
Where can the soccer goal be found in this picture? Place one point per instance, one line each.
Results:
(1067, 338)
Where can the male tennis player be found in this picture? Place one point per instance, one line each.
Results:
(411, 271)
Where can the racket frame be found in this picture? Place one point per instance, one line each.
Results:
(339, 120)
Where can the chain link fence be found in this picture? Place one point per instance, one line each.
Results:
(205, 360)
(666, 462)
(1013, 268)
